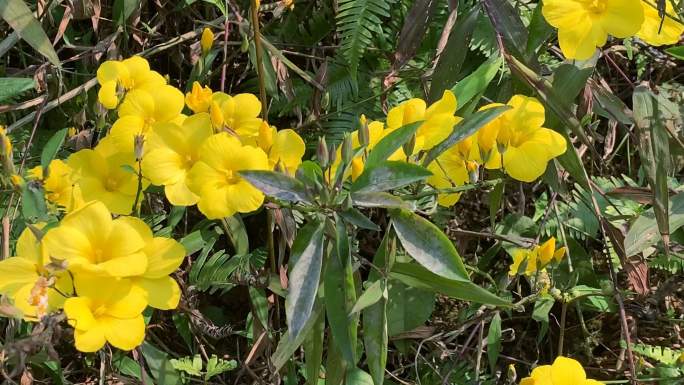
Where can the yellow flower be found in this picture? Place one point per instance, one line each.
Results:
(536, 258)
(452, 168)
(284, 147)
(584, 25)
(207, 41)
(288, 4)
(239, 113)
(651, 31)
(91, 242)
(59, 185)
(564, 371)
(518, 139)
(164, 256)
(17, 180)
(141, 110)
(172, 151)
(439, 121)
(130, 74)
(103, 312)
(5, 151)
(108, 175)
(215, 179)
(199, 99)
(25, 279)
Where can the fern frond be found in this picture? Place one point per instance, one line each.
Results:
(662, 354)
(214, 273)
(356, 20)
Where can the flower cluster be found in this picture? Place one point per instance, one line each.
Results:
(563, 371)
(515, 141)
(103, 272)
(584, 25)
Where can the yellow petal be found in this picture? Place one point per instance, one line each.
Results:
(542, 375)
(139, 103)
(566, 371)
(29, 248)
(244, 197)
(288, 148)
(546, 251)
(622, 18)
(559, 254)
(79, 314)
(525, 163)
(446, 105)
(179, 194)
(580, 40)
(89, 341)
(164, 256)
(107, 95)
(653, 33)
(125, 334)
(111, 70)
(164, 166)
(215, 203)
(162, 293)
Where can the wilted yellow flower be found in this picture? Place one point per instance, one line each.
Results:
(108, 175)
(518, 139)
(172, 151)
(655, 33)
(284, 147)
(452, 168)
(584, 25)
(164, 256)
(199, 99)
(28, 283)
(109, 312)
(439, 121)
(537, 258)
(129, 74)
(207, 41)
(564, 371)
(216, 180)
(238, 113)
(91, 242)
(59, 185)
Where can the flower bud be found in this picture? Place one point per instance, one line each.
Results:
(364, 133)
(138, 142)
(347, 149)
(322, 152)
(410, 146)
(332, 154)
(472, 168)
(555, 293)
(207, 41)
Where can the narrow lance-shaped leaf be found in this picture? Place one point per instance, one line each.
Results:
(494, 341)
(307, 258)
(428, 245)
(313, 351)
(390, 143)
(52, 148)
(389, 175)
(288, 344)
(12, 87)
(464, 129)
(476, 82)
(655, 154)
(277, 185)
(21, 19)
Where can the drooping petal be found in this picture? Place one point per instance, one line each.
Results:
(91, 340)
(244, 197)
(107, 95)
(525, 163)
(214, 203)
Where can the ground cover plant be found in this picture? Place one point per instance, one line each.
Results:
(349, 192)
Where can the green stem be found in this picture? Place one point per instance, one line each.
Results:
(457, 189)
(259, 59)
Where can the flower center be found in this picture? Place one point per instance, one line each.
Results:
(231, 177)
(98, 256)
(111, 184)
(596, 6)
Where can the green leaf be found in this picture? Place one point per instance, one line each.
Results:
(390, 143)
(428, 245)
(160, 367)
(52, 148)
(237, 233)
(288, 345)
(189, 365)
(356, 21)
(448, 68)
(21, 19)
(542, 307)
(216, 366)
(313, 351)
(378, 199)
(388, 175)
(539, 31)
(677, 51)
(407, 307)
(370, 296)
(417, 276)
(464, 129)
(306, 257)
(357, 376)
(277, 185)
(477, 82)
(356, 218)
(257, 298)
(123, 9)
(643, 233)
(13, 87)
(506, 21)
(339, 286)
(375, 332)
(33, 206)
(494, 341)
(654, 152)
